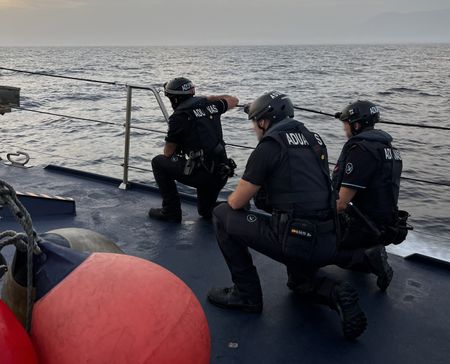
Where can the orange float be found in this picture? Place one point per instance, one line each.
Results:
(15, 344)
(120, 309)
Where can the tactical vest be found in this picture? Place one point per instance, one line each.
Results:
(206, 129)
(301, 184)
(379, 200)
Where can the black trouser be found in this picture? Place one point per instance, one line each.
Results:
(355, 239)
(168, 170)
(238, 230)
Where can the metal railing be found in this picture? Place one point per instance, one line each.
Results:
(129, 103)
(126, 157)
(156, 93)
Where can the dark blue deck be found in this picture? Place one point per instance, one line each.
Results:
(408, 324)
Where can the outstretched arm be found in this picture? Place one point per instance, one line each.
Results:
(231, 100)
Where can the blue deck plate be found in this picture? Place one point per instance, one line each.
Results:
(408, 324)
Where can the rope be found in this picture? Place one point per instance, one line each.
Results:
(416, 125)
(113, 83)
(10, 237)
(110, 123)
(381, 122)
(66, 116)
(8, 197)
(141, 169)
(314, 111)
(436, 183)
(239, 146)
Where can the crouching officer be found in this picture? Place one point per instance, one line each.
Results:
(367, 177)
(288, 175)
(194, 153)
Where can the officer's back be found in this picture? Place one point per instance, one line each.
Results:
(298, 184)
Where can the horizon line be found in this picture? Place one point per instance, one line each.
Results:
(374, 43)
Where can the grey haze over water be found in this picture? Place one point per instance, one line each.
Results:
(409, 82)
(217, 22)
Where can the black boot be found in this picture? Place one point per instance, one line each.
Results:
(161, 214)
(345, 302)
(378, 261)
(231, 298)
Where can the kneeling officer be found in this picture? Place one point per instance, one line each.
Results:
(194, 153)
(367, 176)
(288, 175)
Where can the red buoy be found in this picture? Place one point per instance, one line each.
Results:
(120, 309)
(15, 344)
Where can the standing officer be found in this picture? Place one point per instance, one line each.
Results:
(194, 153)
(367, 177)
(288, 175)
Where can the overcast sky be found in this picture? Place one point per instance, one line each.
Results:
(217, 22)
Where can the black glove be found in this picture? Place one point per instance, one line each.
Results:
(247, 108)
(338, 115)
(226, 169)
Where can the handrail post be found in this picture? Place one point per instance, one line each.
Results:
(126, 158)
(160, 103)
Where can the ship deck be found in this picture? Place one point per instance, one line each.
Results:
(410, 323)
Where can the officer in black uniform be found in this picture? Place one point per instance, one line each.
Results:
(194, 153)
(367, 177)
(287, 174)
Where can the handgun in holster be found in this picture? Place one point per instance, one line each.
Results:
(194, 159)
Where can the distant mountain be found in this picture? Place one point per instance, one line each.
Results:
(425, 26)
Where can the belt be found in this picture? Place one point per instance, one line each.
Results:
(322, 227)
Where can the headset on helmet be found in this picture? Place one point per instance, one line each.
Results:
(273, 106)
(364, 112)
(179, 86)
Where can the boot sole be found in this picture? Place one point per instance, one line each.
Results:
(353, 319)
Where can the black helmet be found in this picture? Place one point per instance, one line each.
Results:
(179, 86)
(364, 112)
(273, 106)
